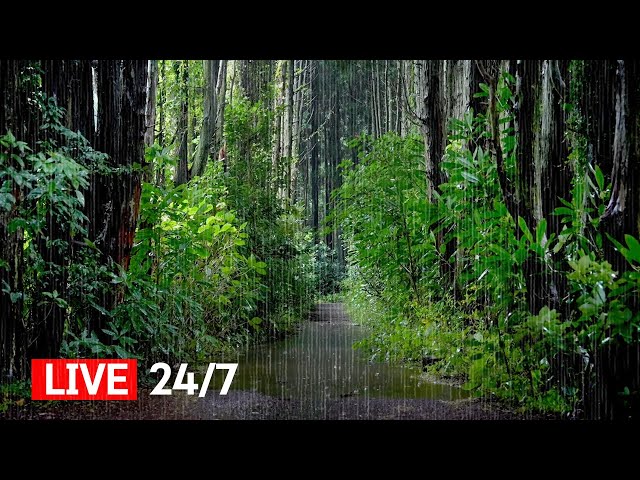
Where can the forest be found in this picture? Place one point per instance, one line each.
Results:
(480, 219)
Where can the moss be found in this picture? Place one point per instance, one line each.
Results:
(578, 141)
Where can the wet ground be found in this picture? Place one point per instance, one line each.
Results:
(314, 375)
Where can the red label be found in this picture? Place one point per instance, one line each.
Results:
(84, 379)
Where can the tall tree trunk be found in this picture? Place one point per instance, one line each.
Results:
(314, 148)
(150, 111)
(433, 126)
(150, 114)
(622, 212)
(208, 129)
(617, 363)
(221, 93)
(398, 98)
(182, 169)
(71, 84)
(278, 103)
(298, 105)
(160, 173)
(288, 127)
(334, 155)
(14, 111)
(115, 200)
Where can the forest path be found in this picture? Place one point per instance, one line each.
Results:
(337, 389)
(315, 374)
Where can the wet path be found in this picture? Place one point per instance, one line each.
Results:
(320, 364)
(317, 374)
(313, 375)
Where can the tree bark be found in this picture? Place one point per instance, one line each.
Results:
(287, 139)
(115, 200)
(70, 83)
(209, 124)
(617, 363)
(314, 149)
(182, 169)
(13, 336)
(221, 93)
(150, 111)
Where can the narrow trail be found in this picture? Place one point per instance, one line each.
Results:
(321, 386)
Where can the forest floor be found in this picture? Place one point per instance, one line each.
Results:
(252, 405)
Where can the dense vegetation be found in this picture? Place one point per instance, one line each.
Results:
(499, 271)
(210, 261)
(480, 216)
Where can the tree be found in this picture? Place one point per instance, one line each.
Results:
(13, 336)
(115, 200)
(181, 71)
(209, 120)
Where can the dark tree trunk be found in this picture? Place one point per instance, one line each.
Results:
(182, 133)
(597, 102)
(208, 129)
(617, 363)
(334, 154)
(150, 112)
(434, 131)
(543, 168)
(160, 174)
(115, 200)
(621, 215)
(70, 83)
(434, 126)
(314, 149)
(14, 112)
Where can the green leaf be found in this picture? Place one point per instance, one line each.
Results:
(634, 248)
(617, 244)
(142, 234)
(599, 295)
(563, 211)
(509, 143)
(541, 230)
(204, 228)
(525, 229)
(599, 178)
(200, 251)
(470, 177)
(102, 310)
(109, 332)
(122, 353)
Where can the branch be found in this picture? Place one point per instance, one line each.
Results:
(483, 72)
(508, 191)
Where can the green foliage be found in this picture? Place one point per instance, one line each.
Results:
(390, 243)
(187, 274)
(43, 192)
(216, 262)
(474, 320)
(276, 232)
(13, 394)
(328, 271)
(475, 217)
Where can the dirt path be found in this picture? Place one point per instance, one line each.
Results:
(252, 405)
